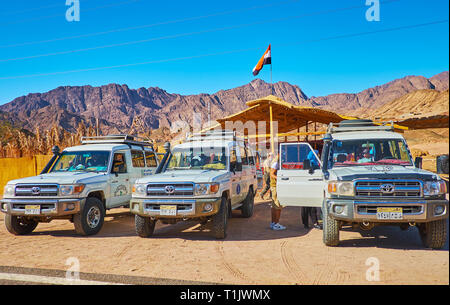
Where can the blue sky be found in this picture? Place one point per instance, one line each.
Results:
(220, 42)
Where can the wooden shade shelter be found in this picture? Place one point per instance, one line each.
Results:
(288, 118)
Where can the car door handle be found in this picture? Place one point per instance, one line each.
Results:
(315, 179)
(285, 178)
(114, 181)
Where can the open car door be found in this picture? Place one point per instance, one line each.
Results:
(299, 179)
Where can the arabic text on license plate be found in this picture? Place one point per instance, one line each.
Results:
(389, 213)
(168, 210)
(32, 209)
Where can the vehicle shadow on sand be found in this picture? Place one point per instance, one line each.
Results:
(239, 228)
(389, 237)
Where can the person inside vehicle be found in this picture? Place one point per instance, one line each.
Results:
(97, 160)
(366, 156)
(119, 164)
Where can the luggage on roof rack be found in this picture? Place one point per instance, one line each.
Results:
(119, 138)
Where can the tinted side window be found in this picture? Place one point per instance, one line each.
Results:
(293, 156)
(150, 159)
(119, 163)
(137, 157)
(235, 160)
(244, 156)
(251, 158)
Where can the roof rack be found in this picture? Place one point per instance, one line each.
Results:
(360, 125)
(119, 139)
(215, 135)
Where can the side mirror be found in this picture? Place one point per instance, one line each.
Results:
(418, 162)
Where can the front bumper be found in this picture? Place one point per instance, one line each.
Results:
(48, 207)
(186, 207)
(420, 210)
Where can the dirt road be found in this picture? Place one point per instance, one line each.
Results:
(251, 254)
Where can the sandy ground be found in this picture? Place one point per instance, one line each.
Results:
(251, 254)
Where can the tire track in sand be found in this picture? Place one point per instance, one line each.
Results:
(325, 274)
(290, 264)
(232, 269)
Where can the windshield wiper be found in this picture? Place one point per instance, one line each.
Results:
(180, 167)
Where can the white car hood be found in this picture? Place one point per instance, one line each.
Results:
(60, 178)
(196, 176)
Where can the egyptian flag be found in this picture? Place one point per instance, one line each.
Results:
(266, 59)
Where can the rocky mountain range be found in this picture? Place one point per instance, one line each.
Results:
(116, 107)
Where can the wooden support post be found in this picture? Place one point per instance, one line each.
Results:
(315, 135)
(271, 129)
(307, 122)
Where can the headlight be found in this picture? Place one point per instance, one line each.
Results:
(434, 188)
(206, 188)
(8, 190)
(73, 189)
(201, 189)
(140, 189)
(341, 188)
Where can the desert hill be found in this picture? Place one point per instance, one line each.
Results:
(117, 106)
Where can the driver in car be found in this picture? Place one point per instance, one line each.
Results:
(96, 161)
(367, 156)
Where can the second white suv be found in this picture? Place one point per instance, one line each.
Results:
(204, 179)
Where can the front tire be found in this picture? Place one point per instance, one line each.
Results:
(90, 220)
(330, 229)
(144, 226)
(247, 207)
(19, 226)
(434, 234)
(220, 220)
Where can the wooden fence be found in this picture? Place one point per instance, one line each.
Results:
(15, 168)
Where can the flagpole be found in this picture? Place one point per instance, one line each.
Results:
(271, 82)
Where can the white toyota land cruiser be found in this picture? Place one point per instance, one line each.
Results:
(366, 178)
(79, 184)
(203, 179)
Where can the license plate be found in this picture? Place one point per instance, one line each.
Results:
(32, 209)
(168, 210)
(389, 213)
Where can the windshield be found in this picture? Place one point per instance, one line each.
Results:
(199, 158)
(370, 152)
(83, 161)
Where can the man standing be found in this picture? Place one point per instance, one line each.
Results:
(267, 165)
(276, 206)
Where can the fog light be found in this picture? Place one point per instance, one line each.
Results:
(439, 209)
(338, 209)
(4, 206)
(70, 206)
(207, 207)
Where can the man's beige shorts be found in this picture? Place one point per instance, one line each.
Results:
(275, 203)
